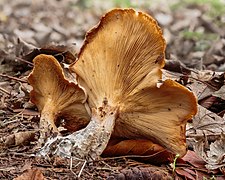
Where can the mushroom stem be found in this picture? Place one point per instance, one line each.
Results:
(47, 125)
(88, 143)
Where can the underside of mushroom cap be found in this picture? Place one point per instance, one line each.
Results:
(121, 62)
(159, 114)
(55, 96)
(124, 51)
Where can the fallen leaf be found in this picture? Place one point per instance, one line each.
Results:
(60, 52)
(141, 173)
(144, 150)
(31, 174)
(220, 93)
(202, 175)
(216, 154)
(184, 173)
(192, 158)
(18, 138)
(206, 134)
(176, 66)
(23, 47)
(205, 123)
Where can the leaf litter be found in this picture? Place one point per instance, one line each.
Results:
(196, 47)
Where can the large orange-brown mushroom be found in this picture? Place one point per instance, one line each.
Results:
(119, 66)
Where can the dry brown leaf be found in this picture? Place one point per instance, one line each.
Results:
(18, 138)
(176, 66)
(206, 134)
(139, 147)
(23, 47)
(185, 174)
(200, 89)
(220, 93)
(141, 173)
(205, 83)
(192, 158)
(31, 174)
(214, 155)
(60, 52)
(205, 123)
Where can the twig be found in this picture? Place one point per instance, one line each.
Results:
(17, 154)
(127, 156)
(23, 60)
(107, 164)
(81, 170)
(71, 166)
(13, 78)
(5, 91)
(8, 169)
(9, 122)
(12, 121)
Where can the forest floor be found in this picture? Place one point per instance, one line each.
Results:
(195, 53)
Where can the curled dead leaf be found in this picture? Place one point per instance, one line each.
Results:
(215, 155)
(61, 52)
(206, 134)
(139, 149)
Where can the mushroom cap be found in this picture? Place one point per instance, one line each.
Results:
(54, 95)
(122, 52)
(121, 61)
(159, 114)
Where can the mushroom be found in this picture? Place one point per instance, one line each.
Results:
(56, 97)
(119, 66)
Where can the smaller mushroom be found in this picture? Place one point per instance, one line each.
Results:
(56, 97)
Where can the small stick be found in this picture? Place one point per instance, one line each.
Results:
(126, 156)
(81, 170)
(23, 60)
(13, 78)
(71, 166)
(5, 91)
